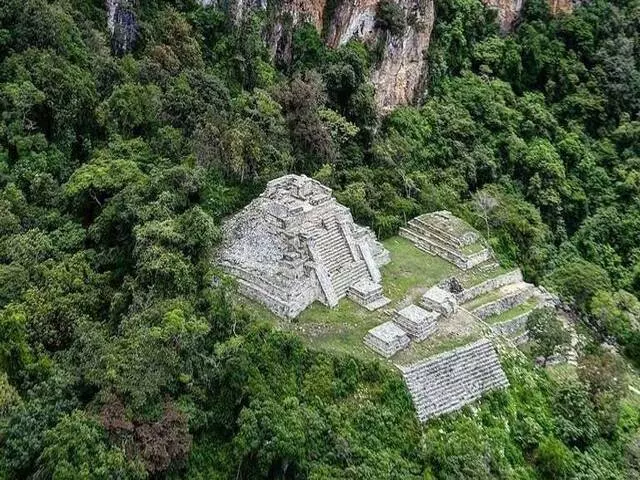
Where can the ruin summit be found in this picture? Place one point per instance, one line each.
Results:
(295, 245)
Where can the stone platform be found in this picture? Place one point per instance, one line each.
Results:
(443, 234)
(417, 322)
(448, 382)
(387, 339)
(368, 294)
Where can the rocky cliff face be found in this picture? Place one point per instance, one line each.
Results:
(509, 10)
(401, 69)
(399, 74)
(121, 22)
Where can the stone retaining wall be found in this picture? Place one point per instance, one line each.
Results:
(478, 258)
(488, 285)
(505, 303)
(510, 327)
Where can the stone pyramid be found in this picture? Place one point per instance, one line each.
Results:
(295, 244)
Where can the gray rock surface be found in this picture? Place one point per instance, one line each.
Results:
(449, 381)
(386, 339)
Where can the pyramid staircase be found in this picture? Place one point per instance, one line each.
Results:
(339, 264)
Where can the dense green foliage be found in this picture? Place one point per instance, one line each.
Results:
(122, 354)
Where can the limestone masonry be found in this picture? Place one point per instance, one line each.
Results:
(442, 234)
(296, 244)
(449, 381)
(387, 339)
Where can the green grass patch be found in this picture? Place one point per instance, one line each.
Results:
(477, 275)
(482, 300)
(430, 347)
(514, 312)
(411, 268)
(562, 372)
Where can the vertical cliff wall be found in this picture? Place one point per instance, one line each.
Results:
(509, 10)
(401, 67)
(121, 22)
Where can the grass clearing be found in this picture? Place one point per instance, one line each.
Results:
(411, 268)
(482, 300)
(341, 329)
(478, 275)
(434, 346)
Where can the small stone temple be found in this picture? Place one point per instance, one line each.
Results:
(296, 244)
(387, 339)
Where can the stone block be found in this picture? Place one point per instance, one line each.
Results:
(440, 301)
(387, 339)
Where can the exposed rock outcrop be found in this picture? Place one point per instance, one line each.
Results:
(509, 10)
(400, 70)
(122, 25)
(400, 76)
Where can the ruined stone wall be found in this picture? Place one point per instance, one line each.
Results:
(489, 285)
(505, 303)
(512, 326)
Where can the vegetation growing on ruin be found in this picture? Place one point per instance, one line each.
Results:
(122, 351)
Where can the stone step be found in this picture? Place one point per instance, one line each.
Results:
(438, 231)
(419, 228)
(434, 249)
(468, 294)
(436, 242)
(346, 277)
(511, 327)
(376, 304)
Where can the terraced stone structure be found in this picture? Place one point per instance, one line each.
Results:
(417, 322)
(442, 234)
(387, 339)
(447, 382)
(296, 244)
